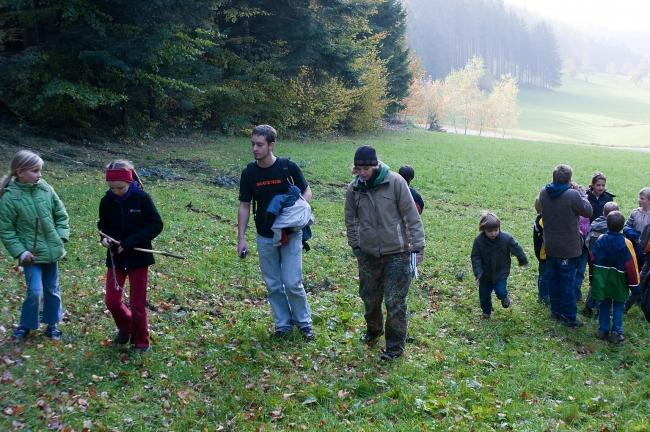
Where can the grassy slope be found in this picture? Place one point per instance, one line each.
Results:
(608, 110)
(213, 363)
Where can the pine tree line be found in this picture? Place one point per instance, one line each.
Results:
(446, 34)
(128, 66)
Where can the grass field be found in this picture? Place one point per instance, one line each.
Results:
(606, 110)
(214, 365)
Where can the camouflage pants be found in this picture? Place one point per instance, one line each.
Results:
(386, 279)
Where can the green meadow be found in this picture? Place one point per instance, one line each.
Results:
(606, 110)
(214, 366)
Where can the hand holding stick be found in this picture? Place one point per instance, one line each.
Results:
(169, 254)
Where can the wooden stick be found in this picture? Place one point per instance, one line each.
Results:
(169, 254)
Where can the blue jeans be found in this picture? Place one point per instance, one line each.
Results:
(42, 283)
(580, 272)
(485, 289)
(281, 268)
(542, 283)
(617, 315)
(561, 274)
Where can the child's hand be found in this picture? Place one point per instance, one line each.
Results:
(106, 242)
(26, 258)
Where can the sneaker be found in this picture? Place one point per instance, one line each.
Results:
(371, 338)
(308, 334)
(505, 302)
(602, 335)
(616, 338)
(121, 338)
(20, 334)
(485, 316)
(281, 334)
(572, 324)
(389, 355)
(53, 332)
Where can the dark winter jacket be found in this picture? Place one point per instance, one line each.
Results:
(491, 258)
(538, 239)
(560, 208)
(597, 203)
(134, 221)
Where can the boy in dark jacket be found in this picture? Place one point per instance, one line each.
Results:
(491, 261)
(408, 173)
(540, 253)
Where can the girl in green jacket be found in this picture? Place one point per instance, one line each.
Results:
(33, 228)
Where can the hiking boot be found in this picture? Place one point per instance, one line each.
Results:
(308, 334)
(616, 338)
(20, 334)
(572, 324)
(389, 355)
(53, 332)
(485, 316)
(370, 338)
(281, 334)
(505, 302)
(602, 335)
(121, 338)
(556, 316)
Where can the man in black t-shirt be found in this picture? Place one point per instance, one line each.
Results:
(281, 266)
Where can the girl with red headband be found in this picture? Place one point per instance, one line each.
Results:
(129, 219)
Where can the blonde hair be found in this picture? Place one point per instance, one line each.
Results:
(22, 160)
(645, 192)
(127, 166)
(488, 221)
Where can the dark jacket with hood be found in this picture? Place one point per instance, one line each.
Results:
(132, 220)
(561, 207)
(491, 258)
(598, 203)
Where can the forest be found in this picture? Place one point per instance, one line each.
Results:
(128, 67)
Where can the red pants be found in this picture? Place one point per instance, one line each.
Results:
(133, 321)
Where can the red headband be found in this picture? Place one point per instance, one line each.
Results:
(119, 175)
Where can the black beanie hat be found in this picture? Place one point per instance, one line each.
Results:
(365, 156)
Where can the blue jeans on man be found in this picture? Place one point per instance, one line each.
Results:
(616, 320)
(281, 268)
(42, 283)
(485, 289)
(561, 274)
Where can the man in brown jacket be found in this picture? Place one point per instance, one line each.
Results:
(561, 203)
(383, 228)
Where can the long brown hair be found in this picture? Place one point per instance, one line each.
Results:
(22, 160)
(126, 165)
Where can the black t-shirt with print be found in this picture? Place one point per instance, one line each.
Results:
(262, 184)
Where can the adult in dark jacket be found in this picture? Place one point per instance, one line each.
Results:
(561, 203)
(128, 215)
(598, 196)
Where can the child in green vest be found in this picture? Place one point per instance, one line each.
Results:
(33, 228)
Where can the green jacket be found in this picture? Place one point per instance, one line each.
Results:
(20, 205)
(382, 219)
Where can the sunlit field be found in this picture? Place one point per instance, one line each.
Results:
(606, 110)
